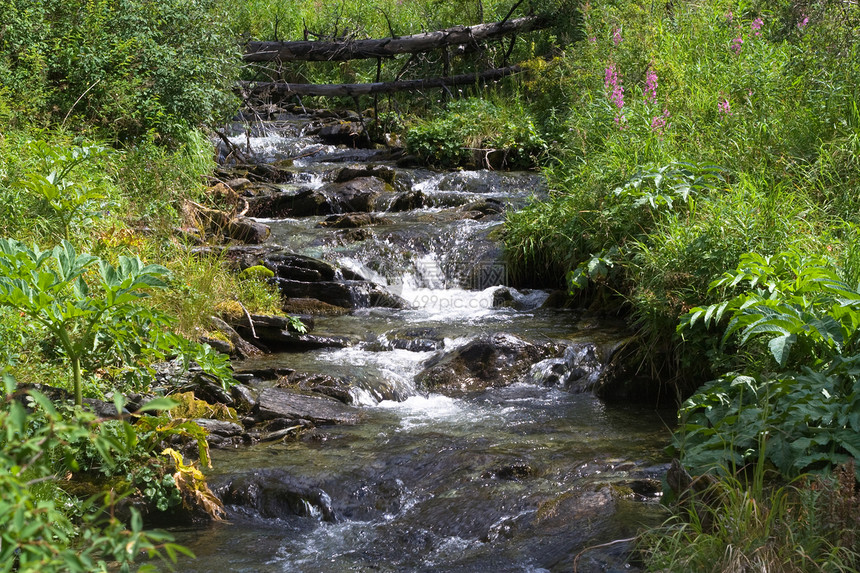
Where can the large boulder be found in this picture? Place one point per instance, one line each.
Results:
(387, 174)
(356, 195)
(493, 360)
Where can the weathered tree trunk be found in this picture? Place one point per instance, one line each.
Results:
(388, 47)
(352, 90)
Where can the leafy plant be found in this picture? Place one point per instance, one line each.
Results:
(68, 198)
(660, 187)
(50, 287)
(36, 533)
(804, 418)
(730, 526)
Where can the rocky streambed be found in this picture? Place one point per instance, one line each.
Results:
(434, 417)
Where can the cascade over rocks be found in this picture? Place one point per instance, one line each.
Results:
(355, 195)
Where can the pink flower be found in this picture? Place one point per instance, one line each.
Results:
(616, 36)
(737, 45)
(756, 26)
(592, 40)
(650, 91)
(724, 107)
(615, 92)
(659, 123)
(803, 22)
(729, 16)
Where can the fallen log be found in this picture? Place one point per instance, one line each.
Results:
(352, 90)
(388, 47)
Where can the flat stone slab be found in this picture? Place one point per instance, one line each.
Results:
(286, 403)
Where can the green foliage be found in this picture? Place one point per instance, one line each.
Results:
(660, 187)
(50, 287)
(256, 272)
(474, 127)
(129, 67)
(804, 416)
(37, 532)
(71, 200)
(685, 92)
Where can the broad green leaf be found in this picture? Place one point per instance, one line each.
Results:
(780, 347)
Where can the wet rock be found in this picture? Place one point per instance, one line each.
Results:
(342, 133)
(334, 293)
(222, 346)
(292, 404)
(278, 338)
(408, 161)
(289, 432)
(579, 369)
(484, 207)
(347, 236)
(243, 397)
(408, 200)
(219, 427)
(280, 205)
(358, 195)
(354, 220)
(387, 174)
(263, 373)
(515, 471)
(283, 266)
(273, 494)
(259, 189)
(237, 183)
(489, 361)
(526, 299)
(417, 339)
(346, 294)
(337, 388)
(312, 306)
(240, 347)
(247, 231)
(206, 388)
(100, 408)
(223, 224)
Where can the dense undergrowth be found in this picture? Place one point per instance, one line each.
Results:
(101, 110)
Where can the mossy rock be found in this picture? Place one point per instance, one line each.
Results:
(257, 272)
(190, 407)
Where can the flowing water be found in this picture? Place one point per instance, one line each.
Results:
(517, 478)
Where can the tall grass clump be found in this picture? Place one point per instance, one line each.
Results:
(732, 527)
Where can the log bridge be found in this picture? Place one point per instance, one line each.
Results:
(339, 51)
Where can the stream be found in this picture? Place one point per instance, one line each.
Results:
(517, 469)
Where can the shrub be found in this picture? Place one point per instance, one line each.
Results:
(129, 67)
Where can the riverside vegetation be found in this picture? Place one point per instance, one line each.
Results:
(704, 163)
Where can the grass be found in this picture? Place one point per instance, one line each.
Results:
(735, 527)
